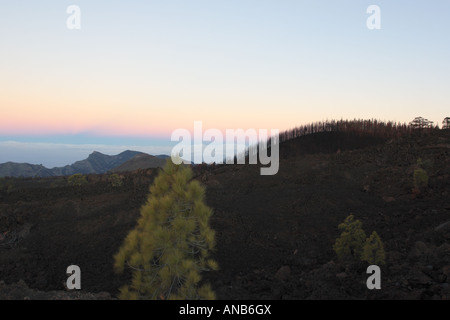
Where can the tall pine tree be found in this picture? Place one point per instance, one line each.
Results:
(170, 246)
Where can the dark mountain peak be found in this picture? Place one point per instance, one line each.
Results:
(129, 153)
(13, 169)
(97, 154)
(140, 161)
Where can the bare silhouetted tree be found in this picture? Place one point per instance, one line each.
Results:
(421, 123)
(446, 123)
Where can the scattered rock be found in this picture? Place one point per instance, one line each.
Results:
(283, 273)
(25, 231)
(446, 271)
(388, 199)
(420, 250)
(21, 291)
(443, 250)
(212, 182)
(443, 227)
(419, 277)
(304, 262)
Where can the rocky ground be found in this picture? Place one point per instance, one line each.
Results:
(274, 233)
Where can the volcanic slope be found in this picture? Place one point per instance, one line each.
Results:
(274, 234)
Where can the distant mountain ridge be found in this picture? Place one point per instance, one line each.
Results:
(141, 161)
(96, 163)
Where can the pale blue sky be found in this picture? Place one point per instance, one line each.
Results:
(231, 64)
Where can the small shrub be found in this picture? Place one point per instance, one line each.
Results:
(115, 180)
(77, 180)
(373, 251)
(420, 179)
(426, 164)
(350, 244)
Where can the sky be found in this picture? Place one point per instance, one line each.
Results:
(137, 70)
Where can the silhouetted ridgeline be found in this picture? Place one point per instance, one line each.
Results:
(386, 130)
(334, 135)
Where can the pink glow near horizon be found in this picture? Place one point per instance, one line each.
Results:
(115, 122)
